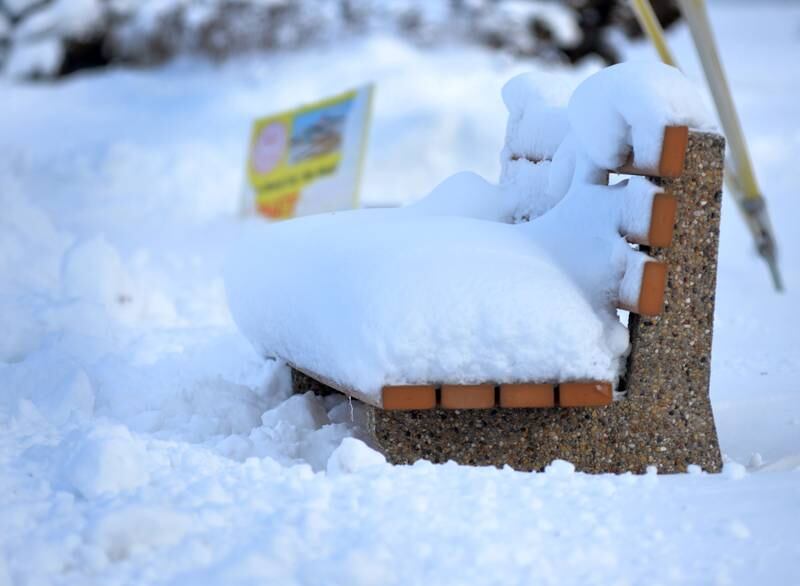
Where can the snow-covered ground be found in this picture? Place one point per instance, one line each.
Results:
(143, 441)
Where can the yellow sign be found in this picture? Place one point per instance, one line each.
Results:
(309, 160)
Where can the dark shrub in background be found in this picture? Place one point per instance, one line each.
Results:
(50, 38)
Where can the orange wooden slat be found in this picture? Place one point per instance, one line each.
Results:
(654, 283)
(672, 158)
(468, 396)
(408, 397)
(662, 220)
(585, 394)
(526, 395)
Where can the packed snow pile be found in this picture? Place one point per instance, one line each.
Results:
(449, 289)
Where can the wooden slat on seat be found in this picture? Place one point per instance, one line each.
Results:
(468, 396)
(482, 396)
(408, 397)
(585, 394)
(527, 395)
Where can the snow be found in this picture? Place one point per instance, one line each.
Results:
(233, 486)
(51, 383)
(468, 195)
(537, 121)
(639, 99)
(537, 125)
(375, 297)
(353, 455)
(34, 57)
(104, 460)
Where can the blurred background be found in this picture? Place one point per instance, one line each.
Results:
(54, 38)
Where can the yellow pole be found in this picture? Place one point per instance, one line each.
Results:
(699, 27)
(650, 24)
(741, 180)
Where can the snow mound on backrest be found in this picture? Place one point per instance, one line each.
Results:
(537, 126)
(537, 118)
(628, 105)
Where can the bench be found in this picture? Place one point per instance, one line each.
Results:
(662, 414)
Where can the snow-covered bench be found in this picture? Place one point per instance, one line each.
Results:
(484, 298)
(651, 227)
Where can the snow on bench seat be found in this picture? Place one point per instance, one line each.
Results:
(366, 299)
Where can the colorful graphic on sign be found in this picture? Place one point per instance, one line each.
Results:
(309, 160)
